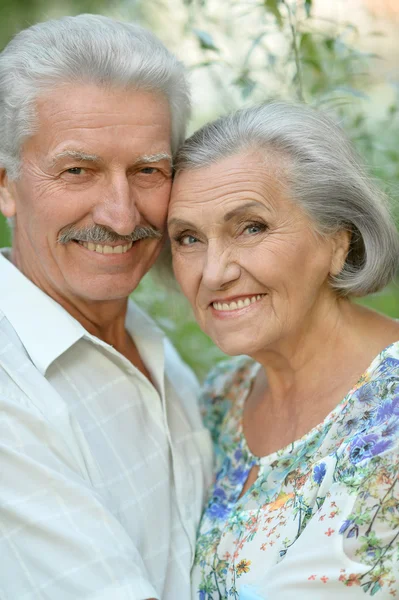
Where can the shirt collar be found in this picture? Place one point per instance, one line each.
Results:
(45, 328)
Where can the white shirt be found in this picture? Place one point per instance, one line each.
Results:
(102, 475)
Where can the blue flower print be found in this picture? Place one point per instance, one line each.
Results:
(386, 410)
(366, 394)
(319, 472)
(387, 366)
(349, 526)
(302, 495)
(225, 468)
(367, 446)
(239, 476)
(217, 510)
(238, 454)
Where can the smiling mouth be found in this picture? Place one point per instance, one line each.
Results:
(236, 305)
(105, 249)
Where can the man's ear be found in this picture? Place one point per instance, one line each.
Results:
(7, 200)
(341, 245)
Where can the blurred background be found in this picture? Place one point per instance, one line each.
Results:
(341, 55)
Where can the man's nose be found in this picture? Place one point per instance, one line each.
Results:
(220, 268)
(117, 209)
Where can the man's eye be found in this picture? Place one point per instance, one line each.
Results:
(75, 170)
(148, 170)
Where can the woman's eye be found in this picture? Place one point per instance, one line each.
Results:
(187, 240)
(254, 228)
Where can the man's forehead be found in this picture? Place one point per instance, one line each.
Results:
(67, 119)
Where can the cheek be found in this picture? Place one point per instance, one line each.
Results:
(179, 270)
(44, 203)
(186, 275)
(154, 205)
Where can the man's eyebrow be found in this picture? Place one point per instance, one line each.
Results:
(242, 208)
(152, 158)
(84, 156)
(76, 155)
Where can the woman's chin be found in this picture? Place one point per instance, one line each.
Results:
(235, 347)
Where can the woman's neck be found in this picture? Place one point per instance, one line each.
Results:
(305, 377)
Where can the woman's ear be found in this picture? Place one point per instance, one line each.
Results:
(341, 243)
(7, 201)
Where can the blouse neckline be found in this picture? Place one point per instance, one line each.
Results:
(292, 449)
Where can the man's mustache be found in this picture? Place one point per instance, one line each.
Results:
(98, 234)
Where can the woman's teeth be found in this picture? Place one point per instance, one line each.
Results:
(237, 304)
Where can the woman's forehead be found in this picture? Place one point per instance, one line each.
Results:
(239, 179)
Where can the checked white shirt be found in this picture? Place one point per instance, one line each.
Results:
(103, 475)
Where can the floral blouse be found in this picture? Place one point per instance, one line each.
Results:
(322, 518)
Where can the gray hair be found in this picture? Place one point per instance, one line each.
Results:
(83, 49)
(324, 175)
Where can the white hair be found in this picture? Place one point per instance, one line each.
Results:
(325, 178)
(83, 49)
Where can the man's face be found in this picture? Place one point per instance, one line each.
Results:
(99, 157)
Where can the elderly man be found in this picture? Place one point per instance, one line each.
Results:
(103, 458)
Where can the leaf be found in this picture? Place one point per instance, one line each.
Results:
(354, 532)
(308, 7)
(272, 7)
(350, 90)
(205, 39)
(313, 63)
(253, 46)
(309, 49)
(376, 588)
(246, 84)
(329, 43)
(204, 63)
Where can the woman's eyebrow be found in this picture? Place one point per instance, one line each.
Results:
(242, 209)
(180, 223)
(236, 212)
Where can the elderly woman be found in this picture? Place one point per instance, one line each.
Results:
(275, 228)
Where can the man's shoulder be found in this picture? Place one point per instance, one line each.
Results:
(10, 344)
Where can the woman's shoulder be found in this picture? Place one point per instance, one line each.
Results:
(222, 386)
(370, 427)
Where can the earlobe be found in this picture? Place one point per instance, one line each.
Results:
(341, 245)
(7, 201)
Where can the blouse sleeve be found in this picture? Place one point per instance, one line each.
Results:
(350, 547)
(371, 530)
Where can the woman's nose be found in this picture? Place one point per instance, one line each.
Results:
(220, 269)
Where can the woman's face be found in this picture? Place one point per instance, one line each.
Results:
(246, 256)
